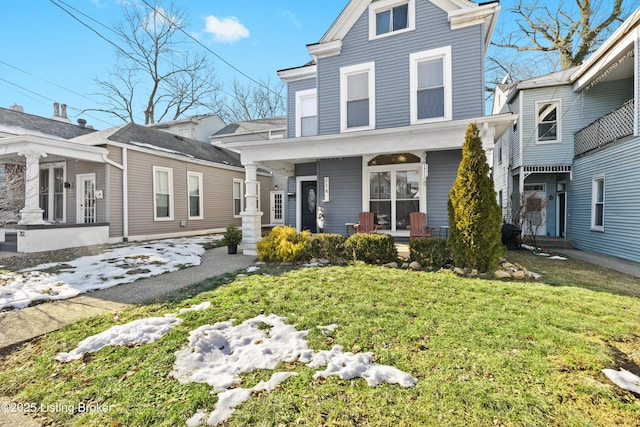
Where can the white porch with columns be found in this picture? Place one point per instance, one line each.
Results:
(251, 217)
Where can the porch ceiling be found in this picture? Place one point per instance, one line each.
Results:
(282, 154)
(12, 149)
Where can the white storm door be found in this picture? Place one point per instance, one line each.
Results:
(277, 207)
(86, 198)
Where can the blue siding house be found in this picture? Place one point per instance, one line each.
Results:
(376, 119)
(576, 149)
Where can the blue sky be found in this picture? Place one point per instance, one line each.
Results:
(47, 56)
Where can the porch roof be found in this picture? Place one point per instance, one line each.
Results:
(12, 149)
(281, 155)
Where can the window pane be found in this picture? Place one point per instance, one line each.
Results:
(400, 20)
(599, 219)
(382, 213)
(380, 185)
(547, 132)
(237, 206)
(236, 190)
(162, 182)
(547, 113)
(431, 103)
(194, 185)
(600, 191)
(309, 126)
(358, 86)
(383, 20)
(162, 205)
(309, 106)
(403, 209)
(358, 113)
(194, 206)
(407, 184)
(430, 73)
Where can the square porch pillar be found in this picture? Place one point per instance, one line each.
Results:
(251, 217)
(31, 213)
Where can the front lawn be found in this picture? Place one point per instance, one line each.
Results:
(483, 352)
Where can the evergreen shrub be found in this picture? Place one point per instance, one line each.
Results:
(429, 252)
(372, 248)
(328, 246)
(284, 244)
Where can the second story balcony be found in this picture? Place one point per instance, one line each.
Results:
(609, 128)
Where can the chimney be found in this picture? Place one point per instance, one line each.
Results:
(56, 109)
(82, 123)
(18, 108)
(64, 111)
(56, 113)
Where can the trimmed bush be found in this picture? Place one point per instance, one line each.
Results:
(284, 244)
(372, 248)
(328, 246)
(426, 251)
(474, 214)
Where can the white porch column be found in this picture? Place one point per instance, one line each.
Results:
(32, 214)
(251, 217)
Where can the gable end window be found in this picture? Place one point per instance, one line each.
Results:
(357, 97)
(306, 113)
(548, 121)
(388, 17)
(597, 204)
(163, 194)
(195, 195)
(431, 88)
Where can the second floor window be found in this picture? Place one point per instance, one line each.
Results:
(357, 85)
(393, 19)
(597, 204)
(306, 113)
(547, 121)
(431, 95)
(387, 17)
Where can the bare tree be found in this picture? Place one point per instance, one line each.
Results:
(155, 75)
(251, 102)
(541, 36)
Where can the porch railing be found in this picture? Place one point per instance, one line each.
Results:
(611, 127)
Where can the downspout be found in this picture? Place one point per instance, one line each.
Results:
(125, 205)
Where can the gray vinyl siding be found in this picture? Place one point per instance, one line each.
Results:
(514, 134)
(113, 193)
(292, 89)
(618, 163)
(391, 56)
(604, 98)
(345, 192)
(217, 193)
(81, 167)
(555, 153)
(443, 170)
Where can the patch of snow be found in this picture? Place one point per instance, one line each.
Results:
(197, 307)
(331, 328)
(252, 269)
(558, 257)
(143, 331)
(624, 379)
(115, 266)
(312, 264)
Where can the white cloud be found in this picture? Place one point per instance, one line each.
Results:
(226, 30)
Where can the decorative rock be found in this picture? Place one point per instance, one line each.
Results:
(391, 265)
(519, 275)
(405, 265)
(415, 265)
(501, 274)
(459, 271)
(474, 273)
(507, 265)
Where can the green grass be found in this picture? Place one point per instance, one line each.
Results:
(484, 352)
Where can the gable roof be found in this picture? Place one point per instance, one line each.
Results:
(253, 127)
(20, 123)
(162, 142)
(461, 13)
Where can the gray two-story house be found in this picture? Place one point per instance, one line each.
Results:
(376, 119)
(575, 149)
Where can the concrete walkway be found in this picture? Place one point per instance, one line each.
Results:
(22, 325)
(618, 264)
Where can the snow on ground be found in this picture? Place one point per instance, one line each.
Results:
(217, 355)
(115, 266)
(624, 379)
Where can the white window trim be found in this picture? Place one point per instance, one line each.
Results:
(200, 195)
(155, 207)
(345, 72)
(233, 197)
(415, 58)
(300, 96)
(379, 6)
(594, 195)
(558, 139)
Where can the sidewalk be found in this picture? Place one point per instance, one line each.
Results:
(22, 325)
(618, 264)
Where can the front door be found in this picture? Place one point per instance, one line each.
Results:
(277, 207)
(86, 198)
(562, 214)
(308, 205)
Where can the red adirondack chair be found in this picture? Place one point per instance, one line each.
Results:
(418, 225)
(367, 223)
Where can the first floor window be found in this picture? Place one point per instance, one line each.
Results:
(237, 197)
(195, 195)
(52, 192)
(163, 193)
(597, 208)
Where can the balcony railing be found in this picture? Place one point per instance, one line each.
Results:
(615, 125)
